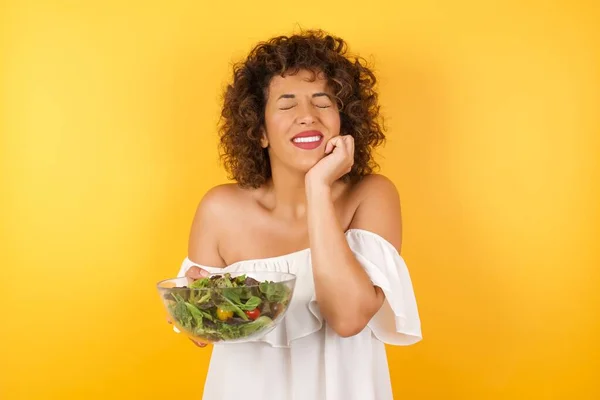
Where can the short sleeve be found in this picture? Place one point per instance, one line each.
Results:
(397, 322)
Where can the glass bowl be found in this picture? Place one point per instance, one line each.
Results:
(228, 307)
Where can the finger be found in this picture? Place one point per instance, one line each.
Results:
(329, 146)
(344, 142)
(196, 273)
(351, 153)
(333, 143)
(349, 140)
(199, 344)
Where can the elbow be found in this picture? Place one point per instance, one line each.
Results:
(348, 323)
(348, 327)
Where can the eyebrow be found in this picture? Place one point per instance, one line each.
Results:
(293, 96)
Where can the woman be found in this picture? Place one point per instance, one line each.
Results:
(299, 123)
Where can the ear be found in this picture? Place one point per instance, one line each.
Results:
(264, 141)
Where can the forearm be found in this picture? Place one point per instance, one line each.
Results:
(346, 296)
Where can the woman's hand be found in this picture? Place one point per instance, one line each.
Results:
(338, 161)
(193, 274)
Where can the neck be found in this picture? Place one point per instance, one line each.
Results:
(287, 193)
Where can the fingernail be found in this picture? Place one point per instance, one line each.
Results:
(196, 273)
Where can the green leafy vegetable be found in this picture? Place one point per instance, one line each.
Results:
(254, 326)
(196, 314)
(200, 283)
(181, 312)
(251, 304)
(195, 308)
(274, 291)
(235, 308)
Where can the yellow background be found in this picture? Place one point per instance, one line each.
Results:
(108, 116)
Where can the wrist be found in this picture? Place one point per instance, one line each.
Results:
(314, 180)
(315, 188)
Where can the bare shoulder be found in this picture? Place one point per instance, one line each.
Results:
(375, 185)
(378, 209)
(215, 211)
(221, 197)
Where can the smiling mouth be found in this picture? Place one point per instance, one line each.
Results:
(308, 142)
(309, 139)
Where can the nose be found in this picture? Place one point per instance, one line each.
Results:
(306, 115)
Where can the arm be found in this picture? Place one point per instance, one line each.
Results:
(203, 246)
(347, 298)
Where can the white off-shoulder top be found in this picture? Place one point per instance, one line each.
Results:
(303, 358)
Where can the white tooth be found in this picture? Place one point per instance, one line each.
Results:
(307, 139)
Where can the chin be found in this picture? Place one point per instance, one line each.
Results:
(305, 165)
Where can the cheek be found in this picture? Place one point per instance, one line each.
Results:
(333, 122)
(276, 127)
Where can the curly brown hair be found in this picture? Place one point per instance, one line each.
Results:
(243, 112)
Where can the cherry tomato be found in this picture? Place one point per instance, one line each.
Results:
(253, 314)
(224, 315)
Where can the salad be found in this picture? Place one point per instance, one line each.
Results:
(226, 308)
